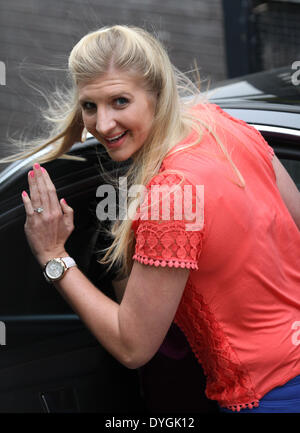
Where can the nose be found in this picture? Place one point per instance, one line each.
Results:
(105, 122)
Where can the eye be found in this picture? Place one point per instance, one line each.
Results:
(88, 106)
(121, 102)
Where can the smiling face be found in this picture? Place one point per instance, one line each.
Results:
(118, 111)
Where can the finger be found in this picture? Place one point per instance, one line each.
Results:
(68, 212)
(42, 188)
(27, 204)
(52, 194)
(33, 190)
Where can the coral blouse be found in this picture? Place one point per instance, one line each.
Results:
(240, 309)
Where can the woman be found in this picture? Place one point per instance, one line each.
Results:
(222, 263)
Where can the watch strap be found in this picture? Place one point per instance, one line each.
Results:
(68, 261)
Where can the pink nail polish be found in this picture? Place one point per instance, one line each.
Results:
(31, 173)
(36, 166)
(24, 194)
(63, 200)
(43, 170)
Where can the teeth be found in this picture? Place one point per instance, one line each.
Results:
(116, 138)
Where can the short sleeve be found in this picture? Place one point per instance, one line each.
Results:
(169, 225)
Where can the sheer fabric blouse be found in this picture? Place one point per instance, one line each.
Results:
(241, 305)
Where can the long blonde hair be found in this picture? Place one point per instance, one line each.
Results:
(133, 49)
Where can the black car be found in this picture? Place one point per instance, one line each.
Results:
(49, 361)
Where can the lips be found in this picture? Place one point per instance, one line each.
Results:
(116, 141)
(116, 137)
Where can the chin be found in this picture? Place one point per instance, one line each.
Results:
(119, 156)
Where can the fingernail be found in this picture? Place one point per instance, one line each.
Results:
(24, 194)
(36, 166)
(31, 173)
(64, 201)
(43, 170)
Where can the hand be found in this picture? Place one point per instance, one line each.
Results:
(48, 231)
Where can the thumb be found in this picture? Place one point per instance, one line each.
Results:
(67, 210)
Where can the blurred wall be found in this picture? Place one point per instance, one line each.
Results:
(42, 32)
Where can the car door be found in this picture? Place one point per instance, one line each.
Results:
(49, 361)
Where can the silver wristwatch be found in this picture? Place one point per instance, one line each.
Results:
(55, 268)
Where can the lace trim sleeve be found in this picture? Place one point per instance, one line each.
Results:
(169, 242)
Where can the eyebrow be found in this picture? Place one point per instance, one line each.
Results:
(83, 100)
(112, 96)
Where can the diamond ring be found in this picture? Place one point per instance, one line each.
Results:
(38, 210)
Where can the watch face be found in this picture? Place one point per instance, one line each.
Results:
(54, 269)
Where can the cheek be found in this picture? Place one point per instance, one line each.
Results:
(88, 121)
(148, 120)
(84, 118)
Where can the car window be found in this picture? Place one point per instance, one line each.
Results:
(293, 168)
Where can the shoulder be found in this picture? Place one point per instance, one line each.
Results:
(171, 201)
(167, 177)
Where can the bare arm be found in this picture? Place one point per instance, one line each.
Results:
(288, 190)
(119, 287)
(134, 330)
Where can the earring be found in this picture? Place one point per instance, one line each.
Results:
(84, 135)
